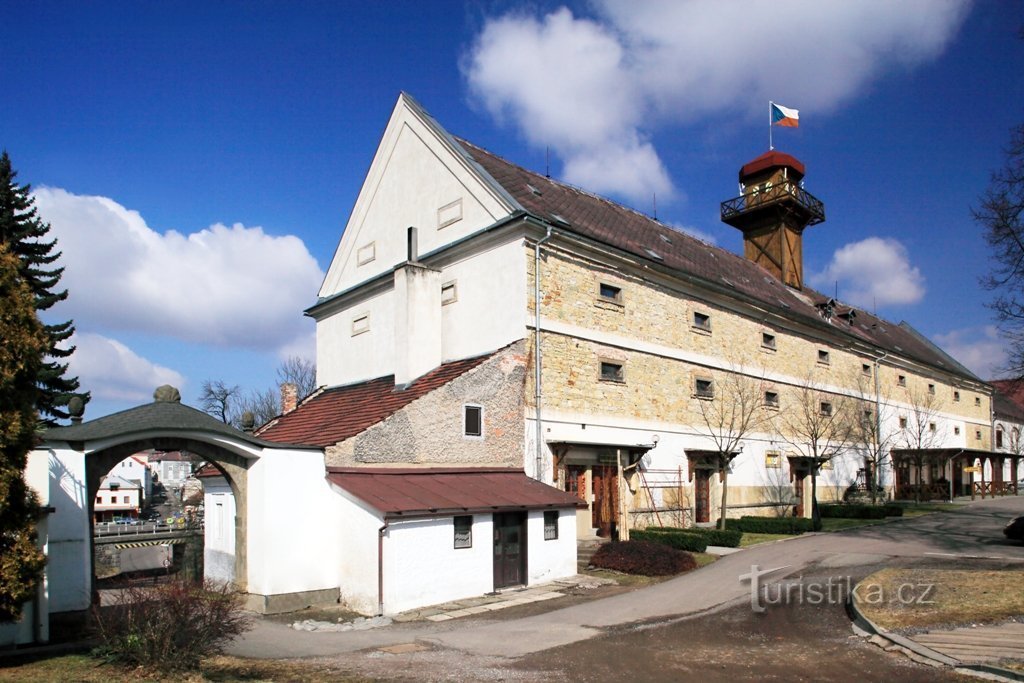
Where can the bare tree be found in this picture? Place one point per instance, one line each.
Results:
(218, 399)
(731, 409)
(920, 430)
(819, 426)
(300, 372)
(874, 440)
(231, 403)
(1001, 214)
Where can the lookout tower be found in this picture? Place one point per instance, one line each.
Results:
(772, 211)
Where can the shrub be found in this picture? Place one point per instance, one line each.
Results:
(853, 511)
(169, 627)
(893, 510)
(674, 539)
(771, 525)
(643, 557)
(729, 538)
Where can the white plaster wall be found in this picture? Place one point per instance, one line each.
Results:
(292, 516)
(219, 531)
(491, 291)
(554, 559)
(343, 358)
(357, 559)
(422, 566)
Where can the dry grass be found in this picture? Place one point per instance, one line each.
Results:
(923, 598)
(88, 670)
(750, 539)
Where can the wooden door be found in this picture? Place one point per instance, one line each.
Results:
(606, 501)
(509, 549)
(702, 495)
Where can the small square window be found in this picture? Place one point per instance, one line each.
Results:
(865, 368)
(449, 293)
(612, 372)
(360, 324)
(99, 500)
(366, 253)
(610, 292)
(823, 356)
(771, 399)
(464, 531)
(701, 321)
(903, 423)
(956, 431)
(901, 380)
(956, 396)
(826, 408)
(931, 389)
(704, 387)
(768, 340)
(977, 400)
(551, 525)
(773, 459)
(473, 421)
(931, 426)
(977, 434)
(449, 213)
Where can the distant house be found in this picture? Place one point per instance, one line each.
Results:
(135, 468)
(172, 468)
(117, 498)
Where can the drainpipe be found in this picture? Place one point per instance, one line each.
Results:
(380, 568)
(536, 353)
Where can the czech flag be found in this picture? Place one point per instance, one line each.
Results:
(784, 116)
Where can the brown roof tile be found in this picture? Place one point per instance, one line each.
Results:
(399, 492)
(339, 413)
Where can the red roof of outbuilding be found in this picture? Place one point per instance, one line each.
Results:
(339, 413)
(770, 160)
(408, 492)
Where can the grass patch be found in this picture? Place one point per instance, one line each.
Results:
(88, 670)
(912, 510)
(750, 538)
(958, 596)
(704, 559)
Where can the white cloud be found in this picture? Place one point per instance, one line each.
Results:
(694, 232)
(872, 271)
(228, 286)
(110, 370)
(979, 348)
(595, 89)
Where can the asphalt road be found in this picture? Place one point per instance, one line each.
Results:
(960, 538)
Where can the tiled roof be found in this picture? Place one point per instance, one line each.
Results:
(338, 413)
(573, 210)
(401, 492)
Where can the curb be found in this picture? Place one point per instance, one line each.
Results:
(920, 653)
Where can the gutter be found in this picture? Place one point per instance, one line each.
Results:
(536, 354)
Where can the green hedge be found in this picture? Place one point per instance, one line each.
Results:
(727, 538)
(690, 542)
(893, 510)
(770, 525)
(853, 511)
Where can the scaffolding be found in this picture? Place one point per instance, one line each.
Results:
(666, 499)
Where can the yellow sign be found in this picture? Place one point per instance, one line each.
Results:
(976, 470)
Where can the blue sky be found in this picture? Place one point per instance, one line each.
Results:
(198, 161)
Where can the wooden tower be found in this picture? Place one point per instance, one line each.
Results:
(772, 211)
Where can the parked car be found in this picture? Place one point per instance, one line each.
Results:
(1015, 529)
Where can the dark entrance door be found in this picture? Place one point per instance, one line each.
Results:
(800, 476)
(702, 495)
(509, 549)
(606, 500)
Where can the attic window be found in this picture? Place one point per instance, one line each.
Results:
(473, 421)
(771, 399)
(704, 387)
(609, 292)
(768, 341)
(701, 321)
(826, 408)
(956, 431)
(903, 423)
(931, 426)
(977, 400)
(653, 254)
(449, 213)
(560, 220)
(956, 396)
(366, 253)
(977, 434)
(612, 372)
(824, 357)
(866, 369)
(931, 389)
(533, 190)
(901, 380)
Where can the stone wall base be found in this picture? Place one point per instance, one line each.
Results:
(290, 602)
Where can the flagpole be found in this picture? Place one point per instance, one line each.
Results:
(770, 145)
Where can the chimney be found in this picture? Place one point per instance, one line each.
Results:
(289, 397)
(772, 211)
(417, 316)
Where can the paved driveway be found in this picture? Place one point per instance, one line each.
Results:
(974, 532)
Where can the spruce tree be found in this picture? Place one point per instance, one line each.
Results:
(22, 357)
(25, 233)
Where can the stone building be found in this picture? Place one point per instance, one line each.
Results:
(539, 326)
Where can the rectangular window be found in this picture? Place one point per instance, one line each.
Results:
(473, 421)
(977, 434)
(612, 372)
(610, 292)
(931, 426)
(773, 459)
(768, 340)
(449, 293)
(868, 416)
(701, 321)
(360, 324)
(449, 213)
(771, 399)
(956, 396)
(550, 525)
(903, 423)
(99, 500)
(977, 400)
(826, 408)
(931, 389)
(901, 380)
(956, 431)
(464, 531)
(866, 369)
(704, 387)
(126, 499)
(999, 438)
(366, 253)
(824, 356)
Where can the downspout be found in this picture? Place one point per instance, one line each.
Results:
(380, 568)
(536, 354)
